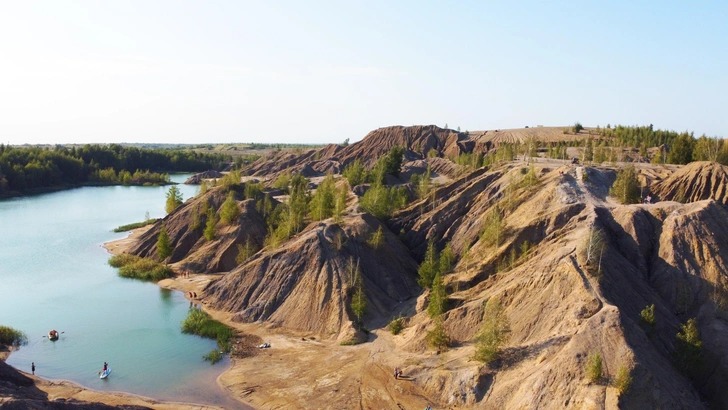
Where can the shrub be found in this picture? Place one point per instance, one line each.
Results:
(577, 127)
(131, 266)
(594, 367)
(213, 357)
(245, 252)
(647, 315)
(396, 325)
(12, 337)
(623, 380)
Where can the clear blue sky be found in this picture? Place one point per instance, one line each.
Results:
(323, 71)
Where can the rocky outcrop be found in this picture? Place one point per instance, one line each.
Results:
(198, 178)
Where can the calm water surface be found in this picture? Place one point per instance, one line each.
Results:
(54, 275)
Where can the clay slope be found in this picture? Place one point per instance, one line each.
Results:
(560, 310)
(192, 251)
(306, 284)
(695, 182)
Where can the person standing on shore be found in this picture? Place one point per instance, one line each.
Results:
(32, 367)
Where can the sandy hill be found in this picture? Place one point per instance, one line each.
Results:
(418, 142)
(694, 182)
(564, 302)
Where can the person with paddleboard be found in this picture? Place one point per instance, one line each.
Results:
(106, 366)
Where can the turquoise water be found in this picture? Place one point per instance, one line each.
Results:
(54, 275)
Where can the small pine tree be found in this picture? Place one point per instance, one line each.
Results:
(245, 251)
(396, 325)
(359, 299)
(437, 337)
(626, 187)
(438, 297)
(174, 199)
(376, 240)
(493, 333)
(689, 352)
(447, 259)
(623, 380)
(164, 247)
(210, 225)
(230, 211)
(429, 267)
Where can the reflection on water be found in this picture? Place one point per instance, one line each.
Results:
(54, 275)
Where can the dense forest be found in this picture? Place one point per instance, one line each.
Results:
(24, 168)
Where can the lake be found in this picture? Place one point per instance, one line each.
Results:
(54, 275)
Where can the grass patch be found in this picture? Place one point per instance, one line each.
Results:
(131, 266)
(594, 367)
(129, 227)
(12, 337)
(200, 323)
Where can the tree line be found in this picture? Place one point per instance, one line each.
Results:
(23, 168)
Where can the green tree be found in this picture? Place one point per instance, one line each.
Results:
(689, 351)
(164, 246)
(430, 266)
(174, 199)
(245, 252)
(394, 160)
(376, 240)
(493, 332)
(359, 298)
(210, 225)
(438, 297)
(681, 150)
(324, 199)
(626, 187)
(577, 127)
(447, 259)
(493, 228)
(437, 337)
(355, 173)
(340, 204)
(707, 149)
(230, 211)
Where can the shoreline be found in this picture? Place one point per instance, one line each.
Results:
(66, 390)
(304, 370)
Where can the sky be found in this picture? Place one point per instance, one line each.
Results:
(323, 71)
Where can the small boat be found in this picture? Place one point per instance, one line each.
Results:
(53, 335)
(105, 373)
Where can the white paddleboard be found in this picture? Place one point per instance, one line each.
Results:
(106, 373)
